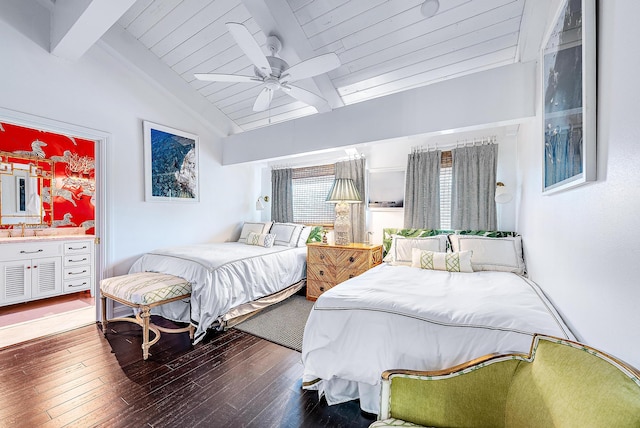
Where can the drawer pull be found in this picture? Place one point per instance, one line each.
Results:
(321, 273)
(321, 288)
(352, 259)
(321, 256)
(31, 252)
(77, 273)
(77, 261)
(351, 276)
(84, 247)
(77, 285)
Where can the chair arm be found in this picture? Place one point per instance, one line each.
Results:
(470, 394)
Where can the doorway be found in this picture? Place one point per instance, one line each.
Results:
(80, 185)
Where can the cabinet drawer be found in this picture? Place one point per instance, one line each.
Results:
(325, 256)
(73, 260)
(344, 274)
(76, 247)
(29, 250)
(358, 260)
(316, 288)
(324, 273)
(76, 272)
(80, 284)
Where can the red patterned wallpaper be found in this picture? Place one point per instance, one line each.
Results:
(74, 188)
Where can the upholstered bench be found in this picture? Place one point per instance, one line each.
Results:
(143, 291)
(560, 383)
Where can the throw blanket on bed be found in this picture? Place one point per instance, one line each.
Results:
(222, 276)
(403, 317)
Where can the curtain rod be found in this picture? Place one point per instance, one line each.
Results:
(480, 141)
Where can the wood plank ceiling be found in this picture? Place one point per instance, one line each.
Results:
(384, 46)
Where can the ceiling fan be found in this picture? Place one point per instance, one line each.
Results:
(273, 72)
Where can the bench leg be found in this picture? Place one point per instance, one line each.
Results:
(103, 304)
(145, 314)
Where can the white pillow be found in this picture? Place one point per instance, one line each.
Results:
(304, 235)
(258, 228)
(498, 254)
(261, 239)
(451, 262)
(287, 234)
(401, 246)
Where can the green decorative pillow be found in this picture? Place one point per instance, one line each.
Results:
(451, 262)
(316, 234)
(401, 247)
(389, 233)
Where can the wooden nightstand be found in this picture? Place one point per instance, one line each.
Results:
(329, 265)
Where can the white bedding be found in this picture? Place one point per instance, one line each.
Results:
(394, 317)
(223, 276)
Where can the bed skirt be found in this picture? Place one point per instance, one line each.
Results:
(247, 310)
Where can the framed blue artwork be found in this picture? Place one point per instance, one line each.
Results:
(171, 159)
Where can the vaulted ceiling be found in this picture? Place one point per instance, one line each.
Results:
(384, 46)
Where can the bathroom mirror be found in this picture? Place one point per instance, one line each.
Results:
(25, 190)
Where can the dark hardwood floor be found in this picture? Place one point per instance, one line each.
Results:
(231, 379)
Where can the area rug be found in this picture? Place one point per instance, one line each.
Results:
(282, 323)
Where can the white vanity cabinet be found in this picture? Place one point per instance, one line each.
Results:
(78, 266)
(43, 268)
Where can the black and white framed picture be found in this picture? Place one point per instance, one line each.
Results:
(171, 164)
(568, 69)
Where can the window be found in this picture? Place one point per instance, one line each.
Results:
(311, 186)
(445, 190)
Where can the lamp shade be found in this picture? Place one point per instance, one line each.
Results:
(344, 190)
(503, 195)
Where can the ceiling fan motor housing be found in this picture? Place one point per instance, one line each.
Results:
(278, 67)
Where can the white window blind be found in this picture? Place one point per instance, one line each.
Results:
(445, 190)
(311, 186)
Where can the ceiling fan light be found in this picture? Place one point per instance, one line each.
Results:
(429, 8)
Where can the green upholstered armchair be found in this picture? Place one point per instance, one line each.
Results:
(559, 384)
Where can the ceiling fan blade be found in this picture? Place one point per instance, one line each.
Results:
(313, 67)
(249, 46)
(303, 95)
(236, 78)
(264, 99)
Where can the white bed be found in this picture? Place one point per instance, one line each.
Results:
(223, 277)
(406, 317)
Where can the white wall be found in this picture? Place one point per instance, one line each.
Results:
(583, 245)
(98, 92)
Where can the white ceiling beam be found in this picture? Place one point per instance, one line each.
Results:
(276, 17)
(77, 24)
(505, 95)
